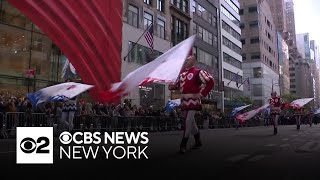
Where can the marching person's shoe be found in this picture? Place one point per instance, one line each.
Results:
(198, 142)
(183, 145)
(275, 131)
(298, 127)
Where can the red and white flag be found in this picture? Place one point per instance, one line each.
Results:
(165, 68)
(248, 115)
(30, 73)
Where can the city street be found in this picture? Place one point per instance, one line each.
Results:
(251, 153)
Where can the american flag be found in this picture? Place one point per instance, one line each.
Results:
(149, 37)
(247, 84)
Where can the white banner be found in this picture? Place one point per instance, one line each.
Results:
(165, 68)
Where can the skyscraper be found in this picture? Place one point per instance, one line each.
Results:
(259, 49)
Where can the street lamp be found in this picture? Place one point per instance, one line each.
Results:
(273, 84)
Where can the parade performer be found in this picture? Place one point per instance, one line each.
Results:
(310, 116)
(68, 112)
(276, 106)
(298, 111)
(193, 84)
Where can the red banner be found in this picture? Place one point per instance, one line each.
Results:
(88, 32)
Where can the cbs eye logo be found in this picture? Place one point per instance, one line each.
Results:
(29, 145)
(65, 137)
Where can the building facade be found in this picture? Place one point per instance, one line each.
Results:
(205, 24)
(138, 15)
(283, 55)
(259, 50)
(304, 79)
(24, 46)
(290, 31)
(232, 74)
(316, 70)
(277, 8)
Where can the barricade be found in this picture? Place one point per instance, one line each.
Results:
(12, 120)
(40, 120)
(3, 133)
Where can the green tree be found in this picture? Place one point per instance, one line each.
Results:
(243, 100)
(288, 98)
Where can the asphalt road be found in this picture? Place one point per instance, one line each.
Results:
(247, 153)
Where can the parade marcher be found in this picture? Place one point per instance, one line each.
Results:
(237, 122)
(193, 84)
(68, 112)
(298, 111)
(276, 105)
(310, 116)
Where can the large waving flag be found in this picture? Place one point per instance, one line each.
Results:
(165, 68)
(88, 32)
(235, 110)
(316, 111)
(300, 102)
(171, 104)
(58, 92)
(248, 115)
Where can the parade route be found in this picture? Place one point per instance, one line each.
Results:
(251, 153)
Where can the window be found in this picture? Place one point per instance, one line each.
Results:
(241, 12)
(184, 5)
(200, 32)
(241, 25)
(141, 54)
(194, 28)
(160, 5)
(232, 76)
(179, 31)
(215, 40)
(257, 72)
(292, 86)
(204, 14)
(292, 80)
(254, 24)
(230, 30)
(148, 18)
(231, 45)
(244, 57)
(194, 7)
(230, 16)
(181, 4)
(204, 57)
(253, 9)
(147, 1)
(230, 60)
(205, 35)
(255, 56)
(200, 10)
(243, 41)
(161, 29)
(232, 5)
(133, 16)
(254, 40)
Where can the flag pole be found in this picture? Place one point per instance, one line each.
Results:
(243, 82)
(232, 79)
(124, 59)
